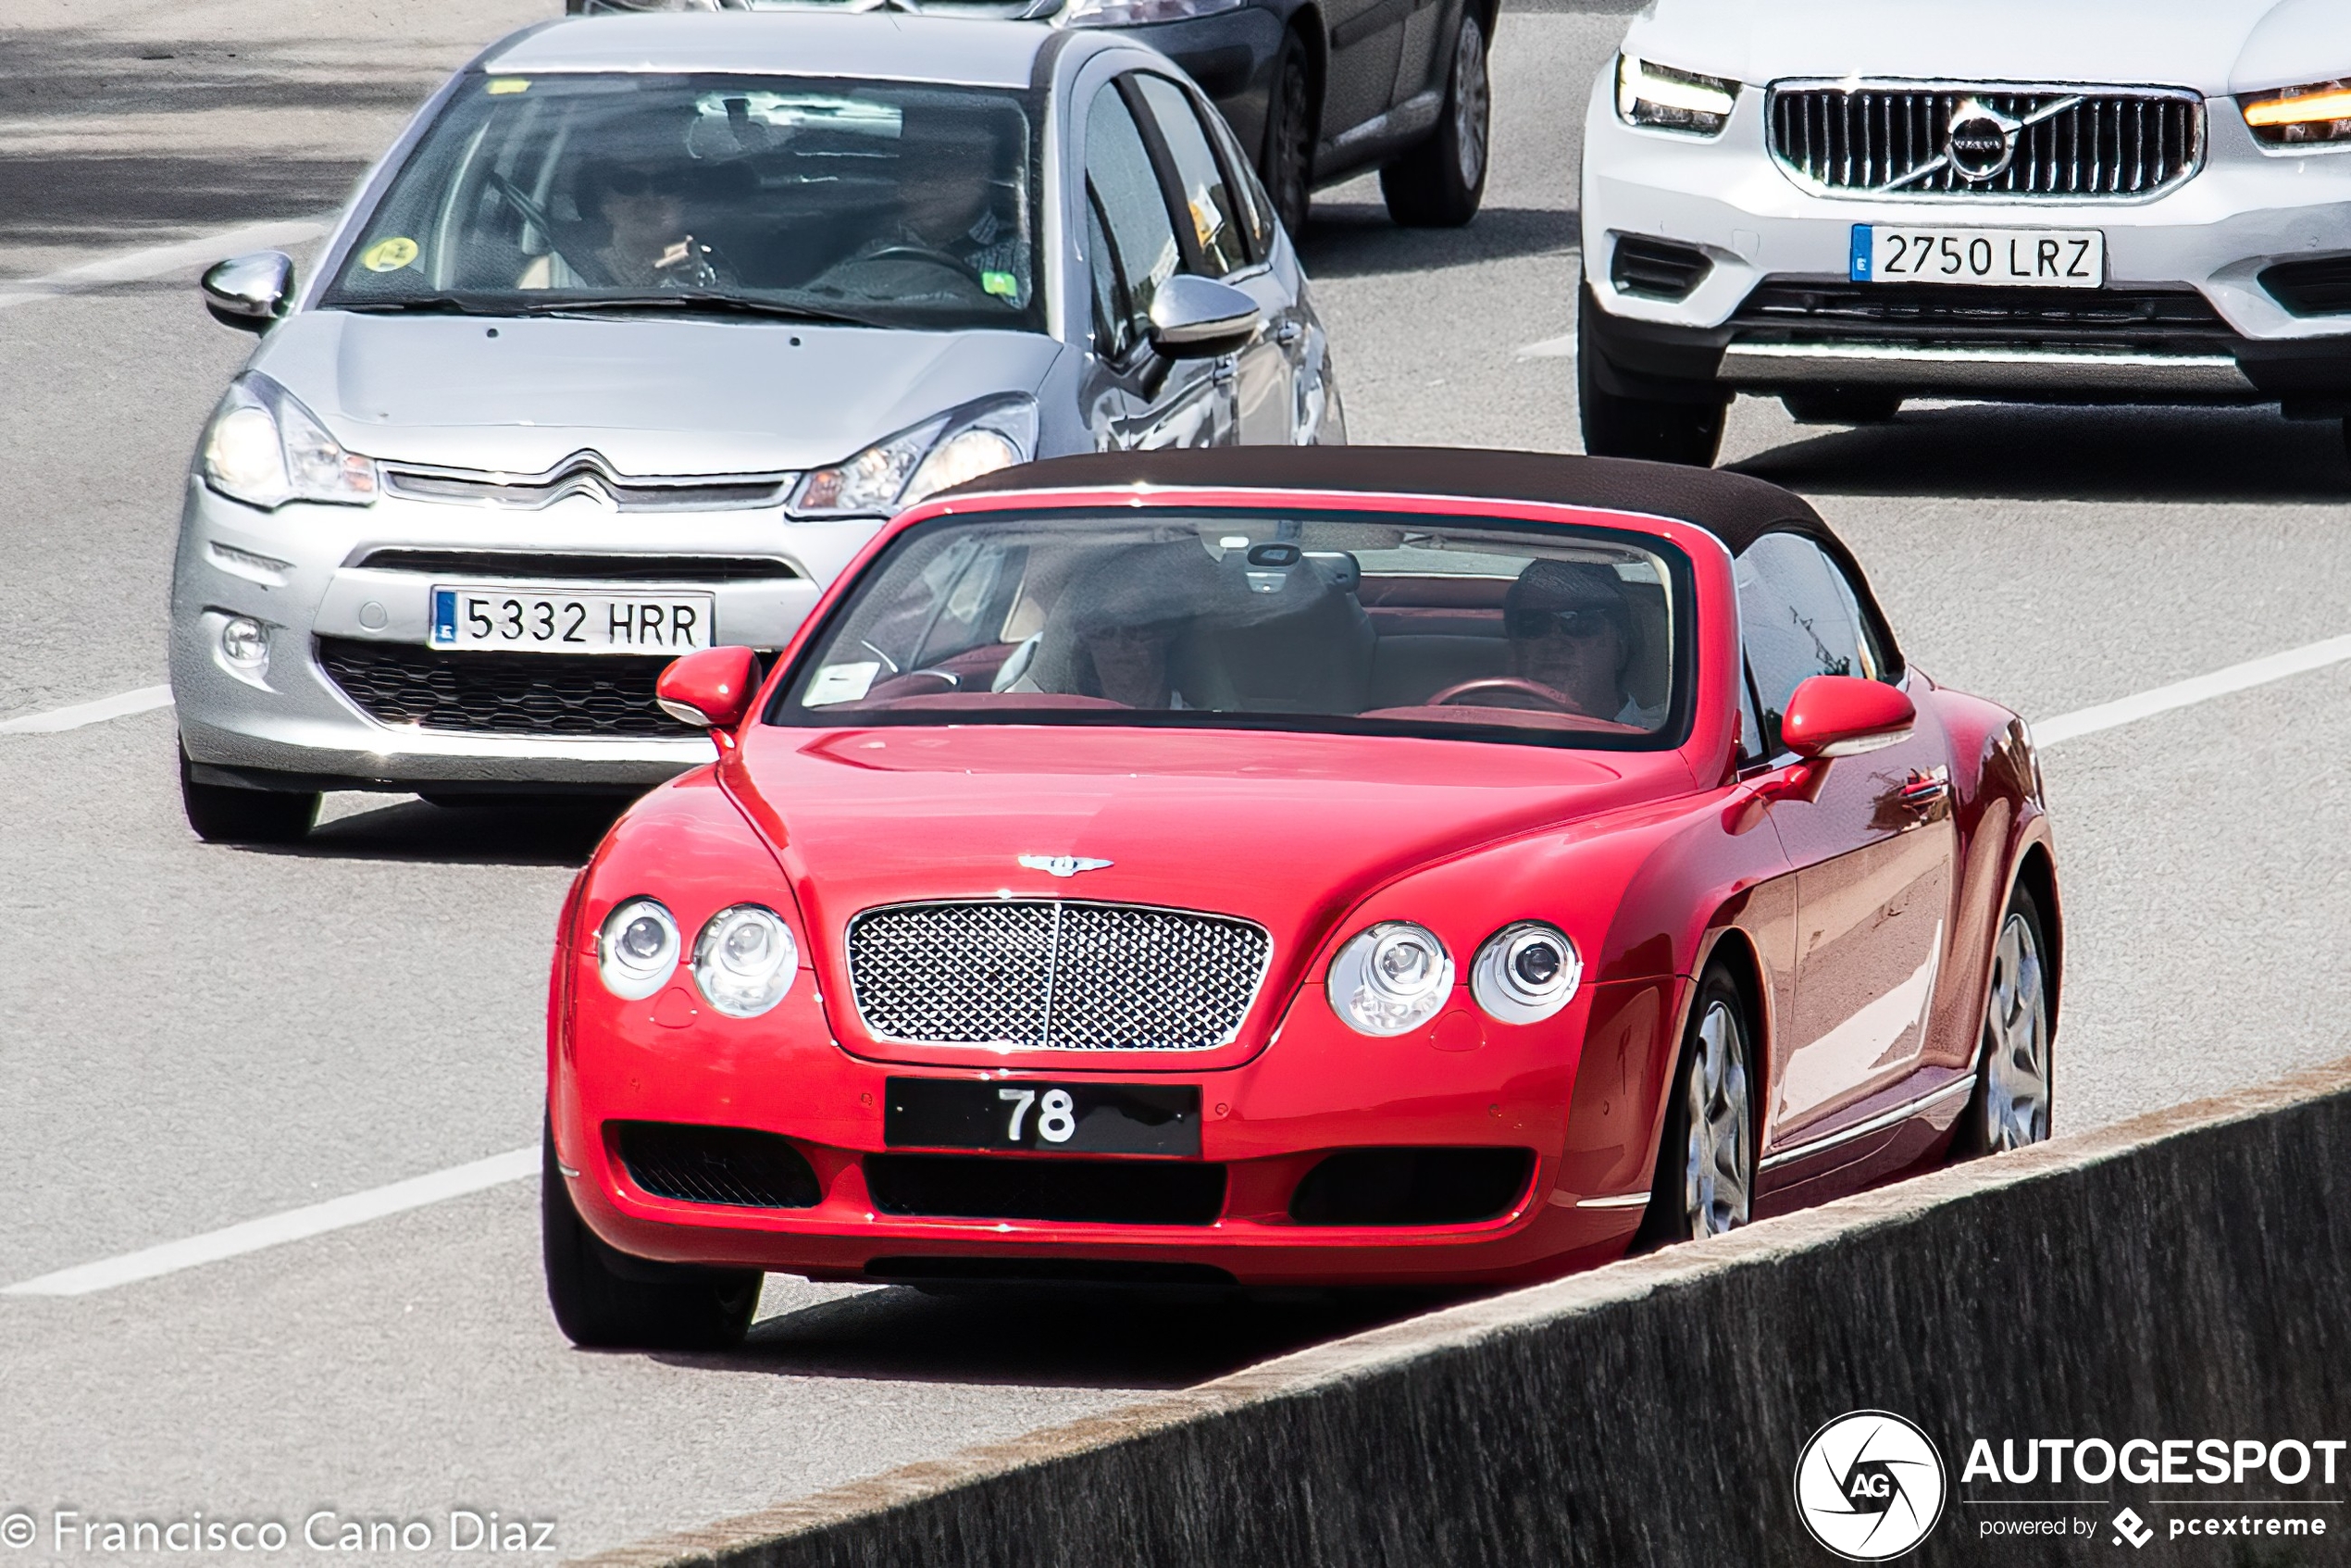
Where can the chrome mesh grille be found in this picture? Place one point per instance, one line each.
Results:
(1891, 139)
(1053, 974)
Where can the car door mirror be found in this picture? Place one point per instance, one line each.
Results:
(249, 293)
(1842, 715)
(1194, 317)
(710, 690)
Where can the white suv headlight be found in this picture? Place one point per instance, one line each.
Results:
(264, 449)
(892, 474)
(1664, 99)
(2318, 115)
(1390, 979)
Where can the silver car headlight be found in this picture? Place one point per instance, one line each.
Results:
(1526, 972)
(264, 449)
(1390, 977)
(1140, 13)
(745, 960)
(1664, 99)
(636, 949)
(892, 474)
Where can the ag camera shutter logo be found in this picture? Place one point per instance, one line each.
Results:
(1868, 1485)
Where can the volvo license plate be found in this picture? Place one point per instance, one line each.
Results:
(2048, 258)
(1068, 1118)
(517, 620)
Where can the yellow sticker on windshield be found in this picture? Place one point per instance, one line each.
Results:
(389, 255)
(500, 86)
(1003, 285)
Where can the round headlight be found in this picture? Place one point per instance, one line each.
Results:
(745, 959)
(1390, 977)
(637, 948)
(1526, 972)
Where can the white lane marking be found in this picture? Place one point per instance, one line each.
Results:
(1550, 348)
(2197, 689)
(123, 704)
(336, 1213)
(293, 1224)
(155, 261)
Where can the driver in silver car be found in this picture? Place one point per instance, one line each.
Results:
(1571, 629)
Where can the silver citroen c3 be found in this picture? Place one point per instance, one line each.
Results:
(634, 337)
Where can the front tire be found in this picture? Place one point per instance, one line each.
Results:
(223, 814)
(606, 1300)
(1439, 184)
(1288, 163)
(1661, 429)
(1705, 1182)
(2015, 1066)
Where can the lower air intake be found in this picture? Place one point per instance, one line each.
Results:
(1078, 1191)
(734, 1166)
(1412, 1186)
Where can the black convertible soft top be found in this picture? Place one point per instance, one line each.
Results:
(1733, 507)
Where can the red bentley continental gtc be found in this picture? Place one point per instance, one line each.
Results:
(1274, 867)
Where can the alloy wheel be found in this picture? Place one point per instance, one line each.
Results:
(1473, 103)
(1719, 1176)
(2016, 1041)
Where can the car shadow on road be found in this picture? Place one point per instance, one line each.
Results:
(1359, 240)
(2027, 453)
(539, 831)
(1073, 1340)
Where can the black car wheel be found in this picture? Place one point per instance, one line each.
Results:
(1439, 184)
(1288, 163)
(1842, 405)
(1663, 430)
(606, 1300)
(224, 814)
(1705, 1181)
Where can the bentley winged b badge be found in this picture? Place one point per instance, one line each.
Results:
(1061, 864)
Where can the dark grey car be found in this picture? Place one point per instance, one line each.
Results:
(1317, 89)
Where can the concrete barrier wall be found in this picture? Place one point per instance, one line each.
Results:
(2184, 1274)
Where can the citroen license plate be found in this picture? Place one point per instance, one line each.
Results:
(541, 620)
(2048, 259)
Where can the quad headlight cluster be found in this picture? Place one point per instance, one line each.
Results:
(744, 959)
(1392, 977)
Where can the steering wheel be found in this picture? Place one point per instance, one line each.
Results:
(923, 253)
(535, 215)
(1517, 686)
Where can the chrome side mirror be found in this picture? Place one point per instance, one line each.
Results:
(1196, 317)
(249, 293)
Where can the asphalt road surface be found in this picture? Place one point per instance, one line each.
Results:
(194, 1037)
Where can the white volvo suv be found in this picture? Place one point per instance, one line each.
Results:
(1845, 203)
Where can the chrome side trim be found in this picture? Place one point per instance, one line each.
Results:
(1925, 366)
(1878, 1123)
(1618, 1201)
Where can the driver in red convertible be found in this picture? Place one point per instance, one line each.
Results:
(1571, 629)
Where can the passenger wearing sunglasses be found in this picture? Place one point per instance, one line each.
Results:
(1571, 629)
(643, 208)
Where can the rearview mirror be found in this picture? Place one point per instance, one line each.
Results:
(1842, 715)
(249, 293)
(710, 690)
(1196, 317)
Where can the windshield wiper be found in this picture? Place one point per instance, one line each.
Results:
(424, 305)
(697, 300)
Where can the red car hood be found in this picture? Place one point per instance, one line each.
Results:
(1289, 830)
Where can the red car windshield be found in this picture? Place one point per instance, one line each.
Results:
(1255, 619)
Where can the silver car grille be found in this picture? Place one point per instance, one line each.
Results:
(2018, 142)
(586, 473)
(1054, 973)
